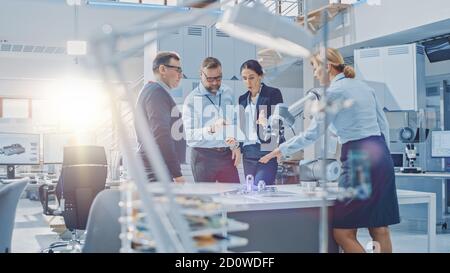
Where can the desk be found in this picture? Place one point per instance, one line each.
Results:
(288, 220)
(414, 197)
(435, 175)
(440, 190)
(304, 207)
(285, 221)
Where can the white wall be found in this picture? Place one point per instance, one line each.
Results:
(364, 23)
(395, 16)
(51, 23)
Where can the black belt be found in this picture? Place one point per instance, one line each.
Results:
(219, 149)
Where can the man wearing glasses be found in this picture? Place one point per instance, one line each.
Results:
(207, 112)
(157, 104)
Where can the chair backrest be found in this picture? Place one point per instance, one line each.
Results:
(9, 197)
(84, 154)
(83, 176)
(103, 228)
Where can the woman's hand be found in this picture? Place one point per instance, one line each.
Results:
(262, 118)
(236, 156)
(269, 156)
(230, 141)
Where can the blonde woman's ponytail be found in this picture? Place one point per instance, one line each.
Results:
(349, 72)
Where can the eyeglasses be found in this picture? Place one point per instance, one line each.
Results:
(212, 79)
(177, 68)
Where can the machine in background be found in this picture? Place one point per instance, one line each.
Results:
(412, 137)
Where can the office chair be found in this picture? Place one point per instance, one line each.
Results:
(103, 227)
(83, 176)
(9, 197)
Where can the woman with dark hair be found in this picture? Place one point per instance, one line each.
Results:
(363, 131)
(257, 105)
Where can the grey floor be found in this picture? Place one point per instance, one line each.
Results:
(32, 233)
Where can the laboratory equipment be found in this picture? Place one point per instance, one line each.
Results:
(396, 88)
(261, 185)
(249, 181)
(312, 170)
(410, 137)
(397, 159)
(288, 114)
(440, 144)
(411, 155)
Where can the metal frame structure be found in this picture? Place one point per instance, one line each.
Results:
(170, 230)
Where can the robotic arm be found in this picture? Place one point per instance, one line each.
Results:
(288, 114)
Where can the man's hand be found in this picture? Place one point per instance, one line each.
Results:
(218, 124)
(269, 156)
(179, 179)
(236, 155)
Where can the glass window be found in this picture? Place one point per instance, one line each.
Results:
(15, 108)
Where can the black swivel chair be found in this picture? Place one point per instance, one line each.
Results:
(83, 176)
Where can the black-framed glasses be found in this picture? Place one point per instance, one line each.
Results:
(212, 79)
(177, 68)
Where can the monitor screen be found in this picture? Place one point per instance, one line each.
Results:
(438, 50)
(53, 147)
(440, 144)
(19, 149)
(397, 158)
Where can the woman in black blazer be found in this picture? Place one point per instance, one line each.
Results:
(257, 105)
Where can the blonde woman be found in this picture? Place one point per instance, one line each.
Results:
(362, 128)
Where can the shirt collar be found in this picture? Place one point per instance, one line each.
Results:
(257, 96)
(338, 77)
(163, 85)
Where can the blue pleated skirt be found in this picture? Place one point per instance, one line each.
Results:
(381, 207)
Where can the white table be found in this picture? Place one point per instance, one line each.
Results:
(416, 197)
(437, 175)
(292, 198)
(301, 200)
(441, 177)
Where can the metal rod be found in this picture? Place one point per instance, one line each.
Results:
(323, 237)
(300, 7)
(305, 14)
(162, 225)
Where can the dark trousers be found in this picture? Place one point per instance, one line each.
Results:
(151, 176)
(260, 171)
(212, 165)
